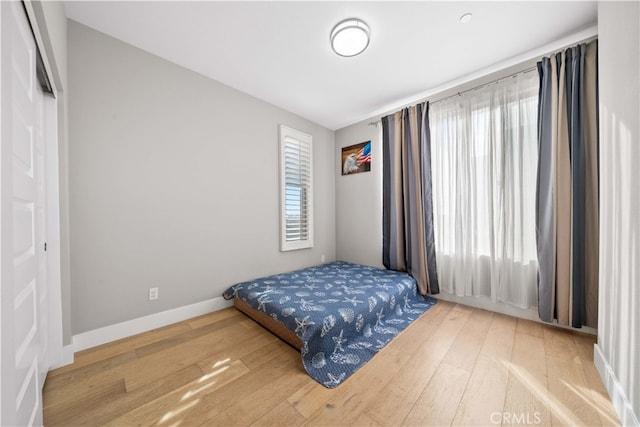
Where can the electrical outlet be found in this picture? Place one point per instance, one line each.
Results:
(322, 258)
(153, 294)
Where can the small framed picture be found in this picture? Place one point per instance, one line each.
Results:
(356, 158)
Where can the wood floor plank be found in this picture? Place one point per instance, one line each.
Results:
(409, 340)
(560, 343)
(60, 414)
(223, 368)
(600, 398)
(584, 346)
(396, 399)
(262, 355)
(568, 402)
(364, 420)
(282, 415)
(485, 393)
(186, 337)
(171, 407)
(99, 410)
(487, 386)
(352, 396)
(464, 350)
(529, 355)
(498, 342)
(203, 347)
(81, 388)
(71, 378)
(529, 327)
(313, 397)
(438, 402)
(239, 350)
(112, 349)
(253, 406)
(436, 314)
(211, 404)
(527, 398)
(207, 319)
(310, 398)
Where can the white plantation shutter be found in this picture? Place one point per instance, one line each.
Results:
(296, 195)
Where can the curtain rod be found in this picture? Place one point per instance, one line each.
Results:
(482, 86)
(528, 70)
(584, 40)
(525, 71)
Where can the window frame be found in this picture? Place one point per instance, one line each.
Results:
(285, 134)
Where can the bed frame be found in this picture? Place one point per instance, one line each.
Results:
(269, 323)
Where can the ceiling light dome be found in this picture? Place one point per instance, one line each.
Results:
(350, 37)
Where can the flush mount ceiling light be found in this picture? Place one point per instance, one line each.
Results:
(466, 18)
(350, 37)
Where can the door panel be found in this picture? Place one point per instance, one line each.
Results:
(28, 400)
(24, 304)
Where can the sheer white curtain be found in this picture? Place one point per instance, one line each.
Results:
(484, 160)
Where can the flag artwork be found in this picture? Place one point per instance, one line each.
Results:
(356, 158)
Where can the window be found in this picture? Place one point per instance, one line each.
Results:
(296, 195)
(484, 162)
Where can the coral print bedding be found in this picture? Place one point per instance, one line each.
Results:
(343, 313)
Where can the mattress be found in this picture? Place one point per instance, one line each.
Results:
(339, 315)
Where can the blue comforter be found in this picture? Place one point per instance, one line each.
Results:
(343, 313)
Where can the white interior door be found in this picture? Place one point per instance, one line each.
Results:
(23, 308)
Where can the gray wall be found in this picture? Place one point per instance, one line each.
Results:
(174, 184)
(618, 347)
(359, 199)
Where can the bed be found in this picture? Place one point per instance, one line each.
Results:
(338, 315)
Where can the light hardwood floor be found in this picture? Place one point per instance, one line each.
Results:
(454, 366)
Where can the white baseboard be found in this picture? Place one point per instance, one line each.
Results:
(64, 358)
(143, 324)
(619, 398)
(486, 303)
(67, 355)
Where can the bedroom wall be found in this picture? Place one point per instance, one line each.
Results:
(617, 353)
(174, 184)
(359, 199)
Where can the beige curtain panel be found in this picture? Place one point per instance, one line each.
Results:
(408, 242)
(567, 187)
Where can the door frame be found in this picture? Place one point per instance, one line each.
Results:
(52, 333)
(55, 354)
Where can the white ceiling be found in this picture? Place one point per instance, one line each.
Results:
(279, 51)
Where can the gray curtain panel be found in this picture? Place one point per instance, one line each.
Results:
(408, 238)
(567, 187)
